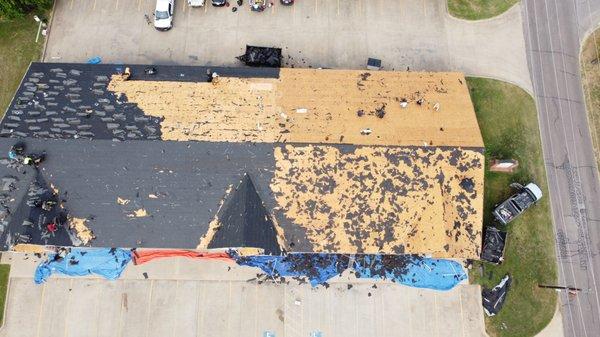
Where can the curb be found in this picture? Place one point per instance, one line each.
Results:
(47, 37)
(518, 3)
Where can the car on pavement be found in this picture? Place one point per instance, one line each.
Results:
(219, 3)
(287, 2)
(195, 3)
(163, 14)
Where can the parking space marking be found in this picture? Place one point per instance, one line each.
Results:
(94, 6)
(117, 4)
(139, 5)
(462, 316)
(316, 6)
(424, 8)
(149, 308)
(205, 8)
(338, 7)
(71, 4)
(67, 308)
(39, 325)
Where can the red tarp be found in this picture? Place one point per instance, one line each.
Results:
(145, 255)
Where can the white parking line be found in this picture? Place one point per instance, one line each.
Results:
(117, 4)
(39, 325)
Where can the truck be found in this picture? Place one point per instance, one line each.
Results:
(515, 205)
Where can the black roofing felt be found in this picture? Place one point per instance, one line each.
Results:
(68, 100)
(244, 221)
(180, 185)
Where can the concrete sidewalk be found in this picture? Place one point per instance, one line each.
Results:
(185, 297)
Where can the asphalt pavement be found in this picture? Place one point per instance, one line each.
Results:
(553, 29)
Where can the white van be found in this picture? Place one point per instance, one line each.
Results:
(163, 15)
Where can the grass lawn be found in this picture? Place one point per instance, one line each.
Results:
(478, 9)
(4, 271)
(17, 50)
(508, 121)
(590, 72)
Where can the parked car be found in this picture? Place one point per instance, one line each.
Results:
(219, 3)
(287, 2)
(196, 3)
(258, 5)
(163, 15)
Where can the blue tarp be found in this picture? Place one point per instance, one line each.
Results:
(106, 262)
(95, 60)
(317, 268)
(411, 270)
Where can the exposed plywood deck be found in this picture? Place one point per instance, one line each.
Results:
(383, 200)
(271, 110)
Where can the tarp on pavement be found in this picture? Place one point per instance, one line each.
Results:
(261, 57)
(411, 270)
(106, 262)
(317, 268)
(145, 255)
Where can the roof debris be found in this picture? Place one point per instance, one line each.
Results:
(79, 226)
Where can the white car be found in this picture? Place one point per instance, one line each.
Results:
(163, 15)
(196, 3)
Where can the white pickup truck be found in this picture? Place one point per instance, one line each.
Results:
(517, 203)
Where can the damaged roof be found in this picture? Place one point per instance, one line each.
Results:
(277, 159)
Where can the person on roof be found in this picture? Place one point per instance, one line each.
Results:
(16, 151)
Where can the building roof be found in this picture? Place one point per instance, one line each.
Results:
(276, 156)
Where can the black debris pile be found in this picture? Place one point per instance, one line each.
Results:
(383, 266)
(493, 299)
(261, 57)
(493, 245)
(316, 268)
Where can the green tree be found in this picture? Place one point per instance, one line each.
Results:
(17, 8)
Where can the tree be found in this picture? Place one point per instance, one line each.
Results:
(16, 8)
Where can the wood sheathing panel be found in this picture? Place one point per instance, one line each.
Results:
(314, 106)
(383, 200)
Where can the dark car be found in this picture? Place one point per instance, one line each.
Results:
(287, 2)
(219, 3)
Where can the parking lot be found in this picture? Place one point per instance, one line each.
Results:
(184, 297)
(415, 34)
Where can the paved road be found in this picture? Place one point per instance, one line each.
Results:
(552, 33)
